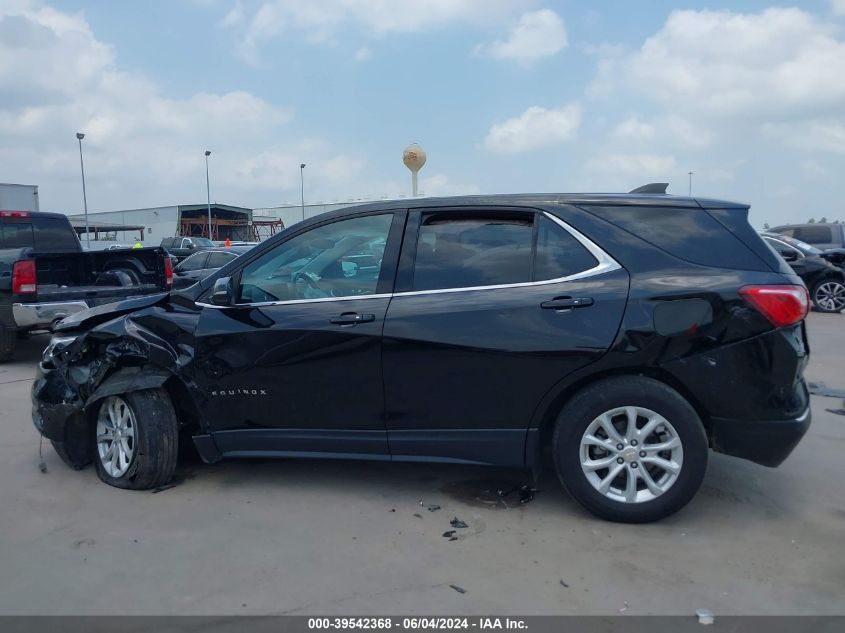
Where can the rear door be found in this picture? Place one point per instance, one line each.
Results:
(492, 308)
(190, 270)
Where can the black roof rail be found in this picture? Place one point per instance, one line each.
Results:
(652, 187)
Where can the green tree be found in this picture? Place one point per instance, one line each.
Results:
(811, 221)
(823, 220)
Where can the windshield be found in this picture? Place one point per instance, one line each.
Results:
(202, 241)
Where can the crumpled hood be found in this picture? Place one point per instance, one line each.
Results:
(100, 314)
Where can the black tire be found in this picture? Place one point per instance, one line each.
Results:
(823, 286)
(8, 343)
(629, 391)
(156, 442)
(75, 459)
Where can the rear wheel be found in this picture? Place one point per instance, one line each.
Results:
(630, 449)
(136, 439)
(829, 295)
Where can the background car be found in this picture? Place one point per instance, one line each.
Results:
(825, 281)
(182, 247)
(822, 235)
(200, 265)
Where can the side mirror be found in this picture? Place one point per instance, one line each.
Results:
(223, 293)
(190, 246)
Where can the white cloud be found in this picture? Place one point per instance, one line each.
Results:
(538, 34)
(441, 185)
(780, 61)
(640, 165)
(838, 7)
(633, 128)
(363, 54)
(826, 135)
(536, 127)
(142, 147)
(321, 21)
(235, 16)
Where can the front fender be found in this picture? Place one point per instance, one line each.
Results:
(127, 380)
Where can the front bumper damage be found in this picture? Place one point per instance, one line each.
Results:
(79, 369)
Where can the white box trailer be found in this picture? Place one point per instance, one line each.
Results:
(18, 197)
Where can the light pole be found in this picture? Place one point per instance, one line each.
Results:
(208, 192)
(302, 187)
(690, 182)
(79, 137)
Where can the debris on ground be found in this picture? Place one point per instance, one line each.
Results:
(494, 494)
(432, 507)
(42, 466)
(393, 509)
(623, 608)
(705, 616)
(164, 487)
(449, 534)
(836, 411)
(457, 523)
(563, 584)
(418, 515)
(458, 589)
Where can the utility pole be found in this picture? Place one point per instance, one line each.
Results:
(79, 137)
(690, 182)
(302, 187)
(208, 192)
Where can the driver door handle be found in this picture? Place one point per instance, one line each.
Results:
(567, 303)
(352, 318)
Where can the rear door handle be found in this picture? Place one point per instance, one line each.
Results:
(566, 303)
(352, 318)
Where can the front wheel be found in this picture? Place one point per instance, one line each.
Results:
(630, 449)
(829, 295)
(136, 439)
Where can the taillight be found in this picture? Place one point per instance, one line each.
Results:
(168, 272)
(782, 305)
(23, 277)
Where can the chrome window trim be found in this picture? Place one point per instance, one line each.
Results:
(782, 243)
(605, 264)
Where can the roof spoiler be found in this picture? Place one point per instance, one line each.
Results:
(652, 187)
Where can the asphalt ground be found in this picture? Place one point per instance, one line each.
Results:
(331, 537)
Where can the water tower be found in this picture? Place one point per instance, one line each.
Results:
(414, 159)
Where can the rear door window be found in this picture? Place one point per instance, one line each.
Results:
(461, 250)
(218, 260)
(194, 262)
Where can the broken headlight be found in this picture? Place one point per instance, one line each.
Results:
(57, 346)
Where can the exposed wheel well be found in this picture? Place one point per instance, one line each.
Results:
(547, 422)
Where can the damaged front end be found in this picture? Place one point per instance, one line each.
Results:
(110, 356)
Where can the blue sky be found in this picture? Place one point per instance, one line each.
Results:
(504, 95)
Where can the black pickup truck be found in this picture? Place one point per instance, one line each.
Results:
(45, 275)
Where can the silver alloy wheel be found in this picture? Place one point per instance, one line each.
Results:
(631, 454)
(830, 295)
(115, 436)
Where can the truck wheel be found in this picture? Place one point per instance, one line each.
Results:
(829, 295)
(8, 343)
(630, 449)
(136, 439)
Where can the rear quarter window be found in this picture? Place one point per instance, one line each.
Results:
(16, 235)
(686, 233)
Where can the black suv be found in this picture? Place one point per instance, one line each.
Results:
(626, 333)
